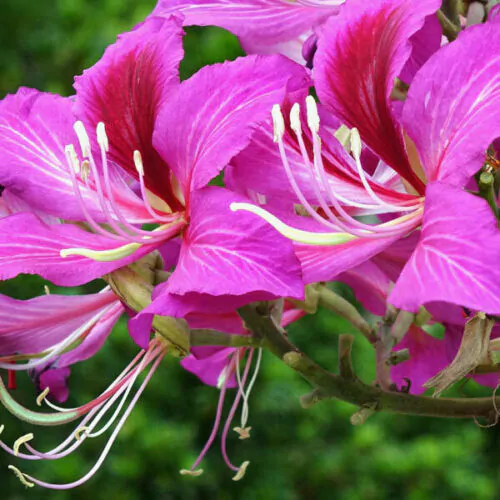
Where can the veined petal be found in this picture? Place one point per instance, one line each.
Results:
(457, 257)
(262, 22)
(325, 263)
(32, 326)
(35, 127)
(227, 253)
(125, 91)
(452, 112)
(55, 375)
(360, 53)
(28, 245)
(212, 116)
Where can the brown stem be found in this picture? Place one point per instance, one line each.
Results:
(328, 385)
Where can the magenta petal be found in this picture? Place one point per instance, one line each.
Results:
(457, 257)
(34, 129)
(208, 364)
(263, 22)
(233, 253)
(56, 381)
(360, 52)
(428, 356)
(212, 116)
(32, 326)
(424, 43)
(452, 112)
(325, 263)
(125, 90)
(27, 245)
(370, 286)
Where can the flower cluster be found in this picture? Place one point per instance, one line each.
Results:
(386, 181)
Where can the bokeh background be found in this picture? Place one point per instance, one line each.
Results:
(294, 453)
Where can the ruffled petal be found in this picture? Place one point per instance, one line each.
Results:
(208, 364)
(360, 53)
(126, 89)
(212, 115)
(28, 245)
(452, 112)
(262, 25)
(457, 257)
(35, 127)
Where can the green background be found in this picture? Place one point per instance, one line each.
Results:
(294, 453)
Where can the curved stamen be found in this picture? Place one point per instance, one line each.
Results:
(108, 445)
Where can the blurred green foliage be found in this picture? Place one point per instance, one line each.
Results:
(294, 453)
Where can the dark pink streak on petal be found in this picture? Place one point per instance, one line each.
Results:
(360, 53)
(125, 90)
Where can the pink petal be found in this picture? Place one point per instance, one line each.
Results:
(452, 112)
(222, 249)
(212, 116)
(424, 43)
(32, 326)
(370, 286)
(259, 23)
(360, 52)
(126, 89)
(324, 263)
(208, 364)
(55, 375)
(27, 245)
(34, 129)
(428, 356)
(457, 257)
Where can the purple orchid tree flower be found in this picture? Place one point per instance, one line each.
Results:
(169, 139)
(263, 26)
(448, 120)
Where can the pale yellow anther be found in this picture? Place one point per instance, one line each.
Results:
(102, 137)
(356, 145)
(80, 433)
(21, 476)
(343, 135)
(72, 158)
(83, 138)
(41, 397)
(312, 114)
(189, 472)
(138, 163)
(244, 432)
(278, 123)
(85, 171)
(46, 289)
(295, 119)
(241, 471)
(19, 442)
(2, 427)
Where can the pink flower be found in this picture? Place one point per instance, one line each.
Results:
(451, 115)
(156, 146)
